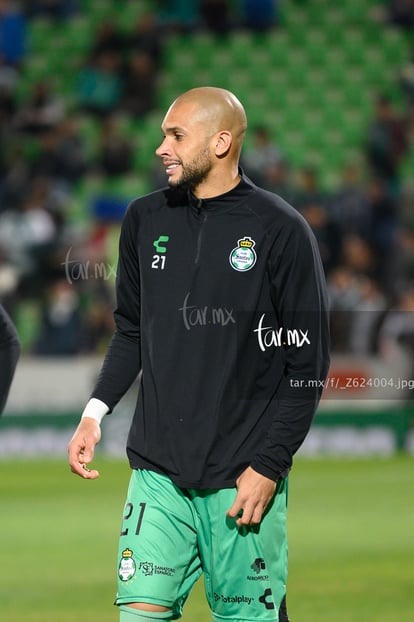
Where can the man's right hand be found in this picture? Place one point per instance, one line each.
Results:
(82, 446)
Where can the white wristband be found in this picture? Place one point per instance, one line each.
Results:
(95, 409)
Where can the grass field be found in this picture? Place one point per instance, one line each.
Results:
(351, 534)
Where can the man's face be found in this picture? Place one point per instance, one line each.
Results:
(185, 150)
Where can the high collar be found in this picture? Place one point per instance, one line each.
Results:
(223, 201)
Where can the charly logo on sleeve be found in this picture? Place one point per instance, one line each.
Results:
(243, 257)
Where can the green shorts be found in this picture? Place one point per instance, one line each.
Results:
(170, 536)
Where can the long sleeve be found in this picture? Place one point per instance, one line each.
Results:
(9, 355)
(300, 302)
(122, 362)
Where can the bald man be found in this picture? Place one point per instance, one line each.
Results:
(222, 313)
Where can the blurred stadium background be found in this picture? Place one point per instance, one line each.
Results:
(328, 88)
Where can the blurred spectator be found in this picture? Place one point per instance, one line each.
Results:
(387, 143)
(326, 232)
(405, 243)
(346, 285)
(27, 234)
(216, 16)
(9, 80)
(146, 37)
(48, 161)
(97, 321)
(60, 328)
(349, 205)
(42, 111)
(61, 153)
(312, 201)
(261, 15)
(407, 78)
(89, 271)
(12, 33)
(15, 180)
(309, 190)
(409, 119)
(279, 180)
(383, 232)
(344, 296)
(73, 149)
(366, 318)
(140, 84)
(9, 280)
(179, 15)
(115, 150)
(55, 9)
(358, 257)
(60, 156)
(397, 331)
(401, 13)
(357, 308)
(99, 85)
(343, 289)
(260, 160)
(108, 39)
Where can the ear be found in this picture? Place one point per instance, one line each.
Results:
(223, 143)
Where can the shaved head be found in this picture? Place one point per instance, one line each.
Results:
(203, 132)
(217, 109)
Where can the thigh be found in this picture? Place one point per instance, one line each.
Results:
(245, 569)
(158, 558)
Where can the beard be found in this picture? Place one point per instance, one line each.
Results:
(195, 172)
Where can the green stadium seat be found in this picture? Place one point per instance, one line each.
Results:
(353, 130)
(37, 70)
(314, 15)
(203, 48)
(222, 56)
(334, 72)
(39, 33)
(74, 36)
(354, 13)
(293, 146)
(315, 54)
(375, 71)
(238, 80)
(239, 47)
(295, 18)
(276, 96)
(333, 19)
(354, 48)
(278, 51)
(395, 46)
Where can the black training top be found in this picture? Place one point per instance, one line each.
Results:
(221, 303)
(9, 355)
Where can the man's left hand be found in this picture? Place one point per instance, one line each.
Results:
(254, 493)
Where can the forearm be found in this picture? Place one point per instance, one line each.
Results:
(120, 368)
(293, 409)
(293, 418)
